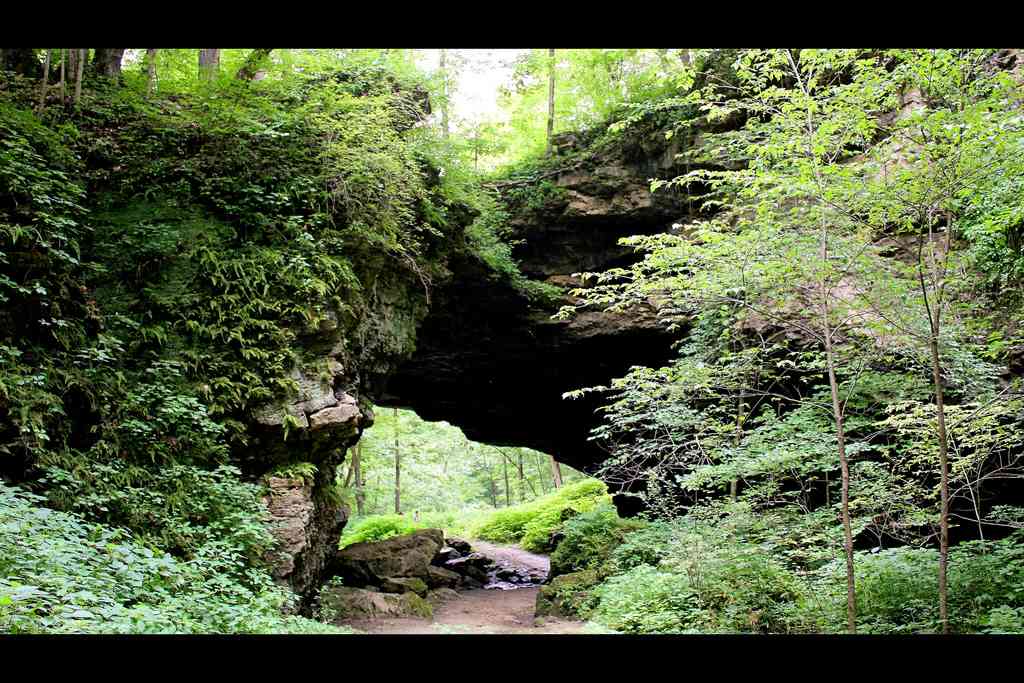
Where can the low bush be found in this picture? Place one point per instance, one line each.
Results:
(62, 574)
(379, 528)
(647, 600)
(648, 545)
(590, 539)
(531, 524)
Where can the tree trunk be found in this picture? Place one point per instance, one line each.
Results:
(508, 496)
(944, 467)
(357, 466)
(251, 67)
(150, 70)
(398, 471)
(42, 87)
(79, 68)
(522, 480)
(444, 95)
(540, 476)
(494, 487)
(556, 472)
(734, 485)
(837, 413)
(209, 63)
(551, 98)
(73, 55)
(106, 62)
(63, 69)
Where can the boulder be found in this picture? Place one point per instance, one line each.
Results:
(477, 574)
(441, 577)
(470, 582)
(444, 554)
(472, 560)
(362, 564)
(344, 602)
(458, 544)
(404, 584)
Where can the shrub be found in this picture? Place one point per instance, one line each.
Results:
(897, 589)
(531, 524)
(647, 600)
(590, 538)
(62, 574)
(648, 545)
(379, 528)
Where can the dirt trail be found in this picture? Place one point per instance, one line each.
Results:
(483, 610)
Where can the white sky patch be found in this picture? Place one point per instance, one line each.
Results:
(478, 76)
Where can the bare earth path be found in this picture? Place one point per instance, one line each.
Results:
(482, 610)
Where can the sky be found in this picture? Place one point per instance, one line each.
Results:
(483, 72)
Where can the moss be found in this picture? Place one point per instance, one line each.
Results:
(568, 595)
(414, 604)
(532, 524)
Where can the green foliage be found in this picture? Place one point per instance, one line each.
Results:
(445, 476)
(897, 591)
(532, 524)
(306, 471)
(592, 88)
(61, 574)
(590, 538)
(378, 528)
(646, 600)
(716, 573)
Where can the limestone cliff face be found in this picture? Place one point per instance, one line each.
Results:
(345, 364)
(493, 363)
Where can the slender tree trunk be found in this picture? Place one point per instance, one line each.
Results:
(444, 95)
(150, 70)
(357, 465)
(63, 86)
(837, 409)
(494, 487)
(508, 496)
(209, 63)
(934, 320)
(944, 466)
(398, 470)
(79, 69)
(837, 413)
(556, 472)
(540, 476)
(42, 87)
(72, 63)
(551, 98)
(522, 480)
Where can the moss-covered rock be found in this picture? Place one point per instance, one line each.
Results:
(567, 594)
(344, 602)
(404, 584)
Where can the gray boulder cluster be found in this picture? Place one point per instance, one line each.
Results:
(404, 575)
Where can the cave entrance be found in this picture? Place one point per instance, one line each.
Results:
(431, 474)
(498, 508)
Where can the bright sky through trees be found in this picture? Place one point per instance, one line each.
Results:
(475, 94)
